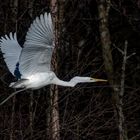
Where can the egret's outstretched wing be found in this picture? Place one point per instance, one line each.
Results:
(36, 54)
(11, 49)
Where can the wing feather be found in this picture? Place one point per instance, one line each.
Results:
(11, 49)
(38, 47)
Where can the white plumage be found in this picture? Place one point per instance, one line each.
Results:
(11, 50)
(38, 47)
(31, 64)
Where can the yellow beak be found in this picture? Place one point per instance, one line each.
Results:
(99, 80)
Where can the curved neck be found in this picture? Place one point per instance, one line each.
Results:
(75, 80)
(57, 81)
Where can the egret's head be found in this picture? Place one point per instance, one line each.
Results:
(87, 79)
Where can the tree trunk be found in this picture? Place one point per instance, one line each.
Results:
(30, 5)
(14, 5)
(103, 9)
(57, 16)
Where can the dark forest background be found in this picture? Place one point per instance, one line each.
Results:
(95, 111)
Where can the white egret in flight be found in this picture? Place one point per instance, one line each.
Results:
(32, 63)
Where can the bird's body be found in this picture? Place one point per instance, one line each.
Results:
(31, 64)
(40, 80)
(35, 81)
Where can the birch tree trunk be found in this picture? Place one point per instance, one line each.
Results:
(103, 9)
(54, 126)
(57, 16)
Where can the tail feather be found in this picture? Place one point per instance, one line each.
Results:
(19, 84)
